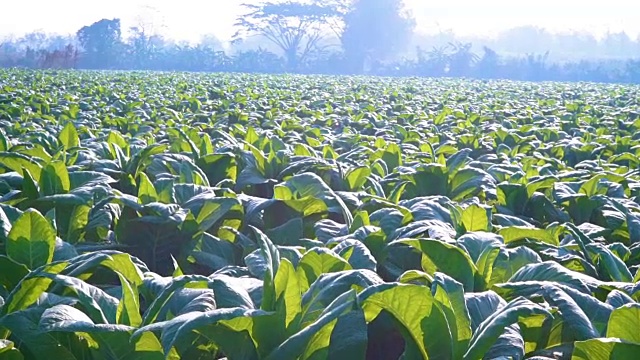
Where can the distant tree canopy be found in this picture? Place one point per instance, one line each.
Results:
(375, 29)
(294, 27)
(367, 29)
(100, 42)
(335, 37)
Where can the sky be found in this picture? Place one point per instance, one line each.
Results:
(190, 19)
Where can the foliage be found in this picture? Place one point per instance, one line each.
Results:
(375, 30)
(295, 28)
(100, 42)
(194, 216)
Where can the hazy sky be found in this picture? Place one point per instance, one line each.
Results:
(188, 19)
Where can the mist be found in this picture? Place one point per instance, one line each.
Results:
(531, 40)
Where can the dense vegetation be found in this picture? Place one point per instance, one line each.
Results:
(333, 37)
(152, 216)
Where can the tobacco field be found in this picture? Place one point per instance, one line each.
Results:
(208, 216)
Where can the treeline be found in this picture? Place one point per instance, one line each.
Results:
(321, 37)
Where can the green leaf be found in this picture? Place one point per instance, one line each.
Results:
(604, 349)
(181, 326)
(357, 254)
(318, 261)
(31, 240)
(111, 341)
(70, 319)
(16, 162)
(146, 191)
(450, 294)
(68, 137)
(576, 320)
(330, 286)
(481, 306)
(29, 186)
(54, 179)
(491, 329)
(361, 219)
(101, 306)
(128, 311)
(588, 315)
(476, 218)
(272, 258)
(27, 292)
(392, 156)
(510, 261)
(613, 267)
(417, 311)
(515, 233)
(445, 258)
(312, 338)
(219, 167)
(623, 323)
(78, 221)
(306, 185)
(591, 187)
(552, 271)
(486, 263)
(41, 345)
(12, 272)
(288, 292)
(357, 177)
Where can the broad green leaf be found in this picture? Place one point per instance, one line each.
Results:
(514, 233)
(272, 258)
(357, 254)
(146, 191)
(27, 292)
(16, 162)
(417, 311)
(361, 219)
(438, 256)
(181, 326)
(450, 294)
(99, 305)
(490, 329)
(68, 137)
(604, 349)
(128, 312)
(106, 339)
(316, 336)
(41, 345)
(357, 177)
(318, 261)
(483, 305)
(392, 156)
(12, 272)
(330, 286)
(288, 292)
(551, 271)
(31, 240)
(54, 179)
(623, 323)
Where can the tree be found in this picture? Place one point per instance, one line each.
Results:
(211, 41)
(461, 59)
(101, 42)
(145, 35)
(487, 66)
(296, 28)
(375, 29)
